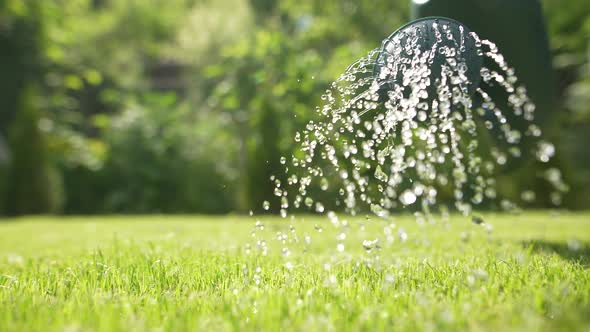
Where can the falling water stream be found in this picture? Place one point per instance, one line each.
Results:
(413, 127)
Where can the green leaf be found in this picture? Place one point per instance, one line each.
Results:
(93, 77)
(73, 82)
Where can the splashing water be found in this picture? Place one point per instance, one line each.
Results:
(408, 127)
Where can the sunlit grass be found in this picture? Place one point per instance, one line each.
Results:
(193, 273)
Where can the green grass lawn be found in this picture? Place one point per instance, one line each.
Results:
(531, 272)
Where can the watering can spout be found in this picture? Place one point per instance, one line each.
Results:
(441, 41)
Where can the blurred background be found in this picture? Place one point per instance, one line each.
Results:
(185, 106)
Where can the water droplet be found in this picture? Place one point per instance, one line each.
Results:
(407, 197)
(285, 252)
(380, 175)
(324, 184)
(545, 151)
(319, 207)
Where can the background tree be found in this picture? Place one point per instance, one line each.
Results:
(187, 105)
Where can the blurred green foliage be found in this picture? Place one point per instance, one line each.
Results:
(569, 29)
(187, 105)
